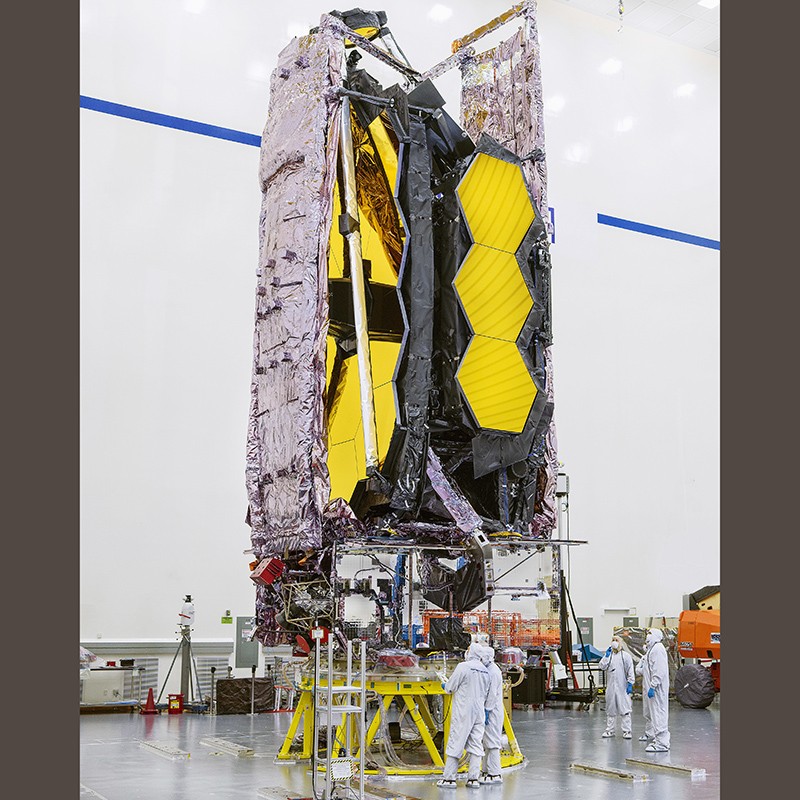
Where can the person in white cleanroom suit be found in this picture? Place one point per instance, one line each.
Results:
(658, 693)
(494, 719)
(618, 666)
(469, 686)
(643, 670)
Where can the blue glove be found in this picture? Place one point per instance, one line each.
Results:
(444, 686)
(486, 716)
(608, 652)
(651, 692)
(629, 688)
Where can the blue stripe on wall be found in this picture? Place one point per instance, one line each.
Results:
(204, 129)
(652, 230)
(166, 121)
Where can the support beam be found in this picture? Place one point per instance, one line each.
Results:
(301, 713)
(165, 750)
(353, 238)
(490, 26)
(691, 772)
(610, 772)
(423, 731)
(512, 739)
(336, 25)
(224, 746)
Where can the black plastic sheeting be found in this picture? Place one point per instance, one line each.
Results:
(416, 282)
(447, 633)
(239, 695)
(469, 589)
(694, 686)
(465, 586)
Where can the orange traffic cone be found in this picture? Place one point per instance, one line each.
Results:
(150, 705)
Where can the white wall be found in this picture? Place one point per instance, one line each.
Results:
(169, 250)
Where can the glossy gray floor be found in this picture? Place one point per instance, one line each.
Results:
(115, 766)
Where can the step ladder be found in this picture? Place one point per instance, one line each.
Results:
(337, 710)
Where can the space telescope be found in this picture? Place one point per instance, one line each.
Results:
(402, 384)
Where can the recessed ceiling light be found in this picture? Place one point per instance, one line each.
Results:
(440, 13)
(685, 90)
(554, 104)
(577, 153)
(708, 3)
(611, 66)
(258, 71)
(194, 6)
(623, 125)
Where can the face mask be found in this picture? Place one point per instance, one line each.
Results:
(649, 639)
(615, 646)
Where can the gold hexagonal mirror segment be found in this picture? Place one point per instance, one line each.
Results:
(494, 294)
(496, 383)
(346, 458)
(496, 203)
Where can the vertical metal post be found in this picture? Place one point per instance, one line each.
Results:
(450, 611)
(353, 239)
(489, 620)
(362, 719)
(193, 662)
(139, 692)
(252, 689)
(329, 737)
(566, 637)
(410, 599)
(315, 713)
(348, 718)
(211, 708)
(186, 662)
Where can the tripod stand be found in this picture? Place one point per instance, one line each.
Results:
(187, 662)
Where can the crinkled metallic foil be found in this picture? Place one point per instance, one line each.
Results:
(375, 196)
(546, 517)
(458, 506)
(286, 473)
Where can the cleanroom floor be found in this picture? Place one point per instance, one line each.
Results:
(114, 765)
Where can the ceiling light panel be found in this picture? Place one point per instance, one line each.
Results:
(440, 13)
(610, 66)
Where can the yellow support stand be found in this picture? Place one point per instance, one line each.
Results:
(413, 694)
(302, 713)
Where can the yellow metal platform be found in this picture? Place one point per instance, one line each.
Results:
(412, 694)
